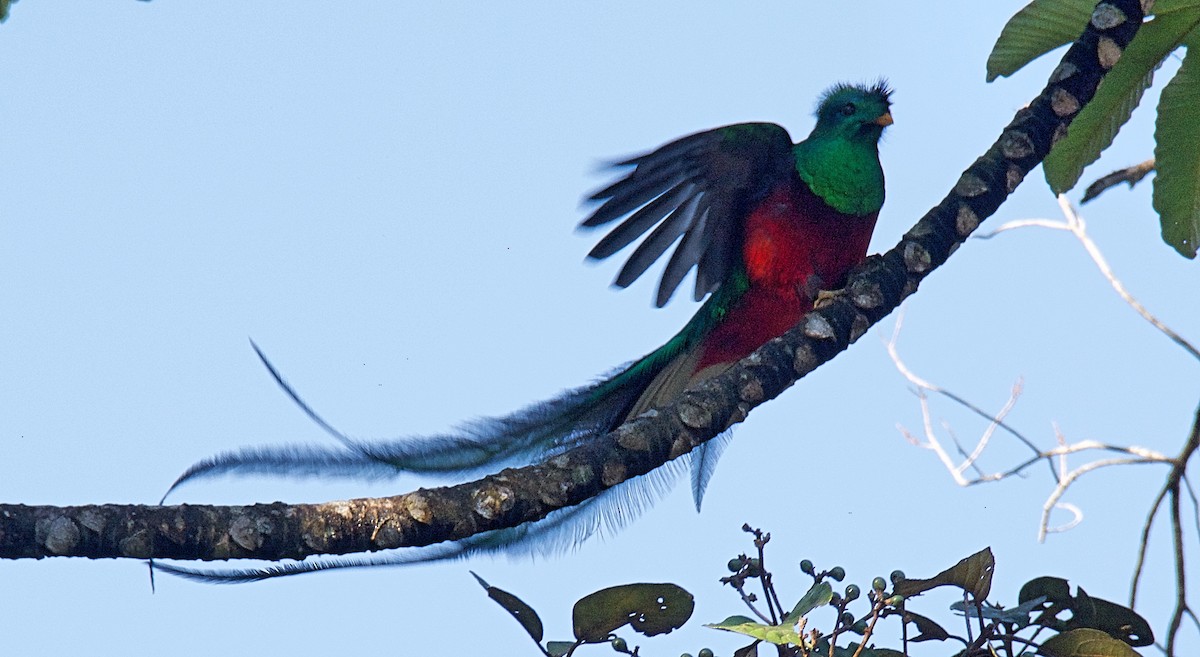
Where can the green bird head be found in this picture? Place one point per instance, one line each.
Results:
(839, 161)
(854, 112)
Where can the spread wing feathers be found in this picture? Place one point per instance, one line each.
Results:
(605, 514)
(533, 433)
(701, 187)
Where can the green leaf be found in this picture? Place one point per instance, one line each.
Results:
(747, 651)
(973, 575)
(1118, 621)
(1052, 595)
(650, 608)
(1167, 6)
(1038, 28)
(1085, 643)
(524, 614)
(852, 649)
(559, 648)
(780, 635)
(1177, 156)
(1052, 589)
(818, 596)
(1119, 93)
(927, 629)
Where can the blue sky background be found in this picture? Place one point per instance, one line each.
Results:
(383, 195)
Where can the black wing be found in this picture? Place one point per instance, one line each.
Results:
(701, 187)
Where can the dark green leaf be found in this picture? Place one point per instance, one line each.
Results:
(1038, 28)
(1098, 122)
(822, 650)
(1053, 589)
(1116, 620)
(649, 608)
(973, 575)
(927, 629)
(818, 596)
(851, 649)
(559, 648)
(1166, 6)
(524, 614)
(747, 651)
(1085, 643)
(1085, 612)
(1177, 154)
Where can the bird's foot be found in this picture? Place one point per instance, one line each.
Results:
(827, 297)
(814, 290)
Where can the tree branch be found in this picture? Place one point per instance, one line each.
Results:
(515, 496)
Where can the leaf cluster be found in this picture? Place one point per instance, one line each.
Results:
(1079, 625)
(1043, 25)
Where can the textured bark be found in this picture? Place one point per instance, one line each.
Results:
(515, 496)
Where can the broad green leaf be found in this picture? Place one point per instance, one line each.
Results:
(927, 629)
(4, 7)
(818, 596)
(780, 635)
(559, 648)
(1119, 93)
(1052, 589)
(1167, 6)
(1118, 621)
(1052, 596)
(1085, 643)
(1038, 28)
(1177, 156)
(524, 614)
(973, 575)
(650, 608)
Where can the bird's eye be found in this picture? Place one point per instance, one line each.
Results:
(848, 109)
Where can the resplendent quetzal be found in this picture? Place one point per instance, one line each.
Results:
(766, 224)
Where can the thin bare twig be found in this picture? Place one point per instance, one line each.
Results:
(1177, 481)
(994, 421)
(1075, 225)
(1171, 489)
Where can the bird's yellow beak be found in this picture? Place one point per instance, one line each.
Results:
(884, 119)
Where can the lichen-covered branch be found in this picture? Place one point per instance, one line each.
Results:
(516, 496)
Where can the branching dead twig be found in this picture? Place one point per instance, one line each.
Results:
(1075, 225)
(1176, 482)
(1056, 457)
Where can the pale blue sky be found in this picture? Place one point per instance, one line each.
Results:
(383, 195)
